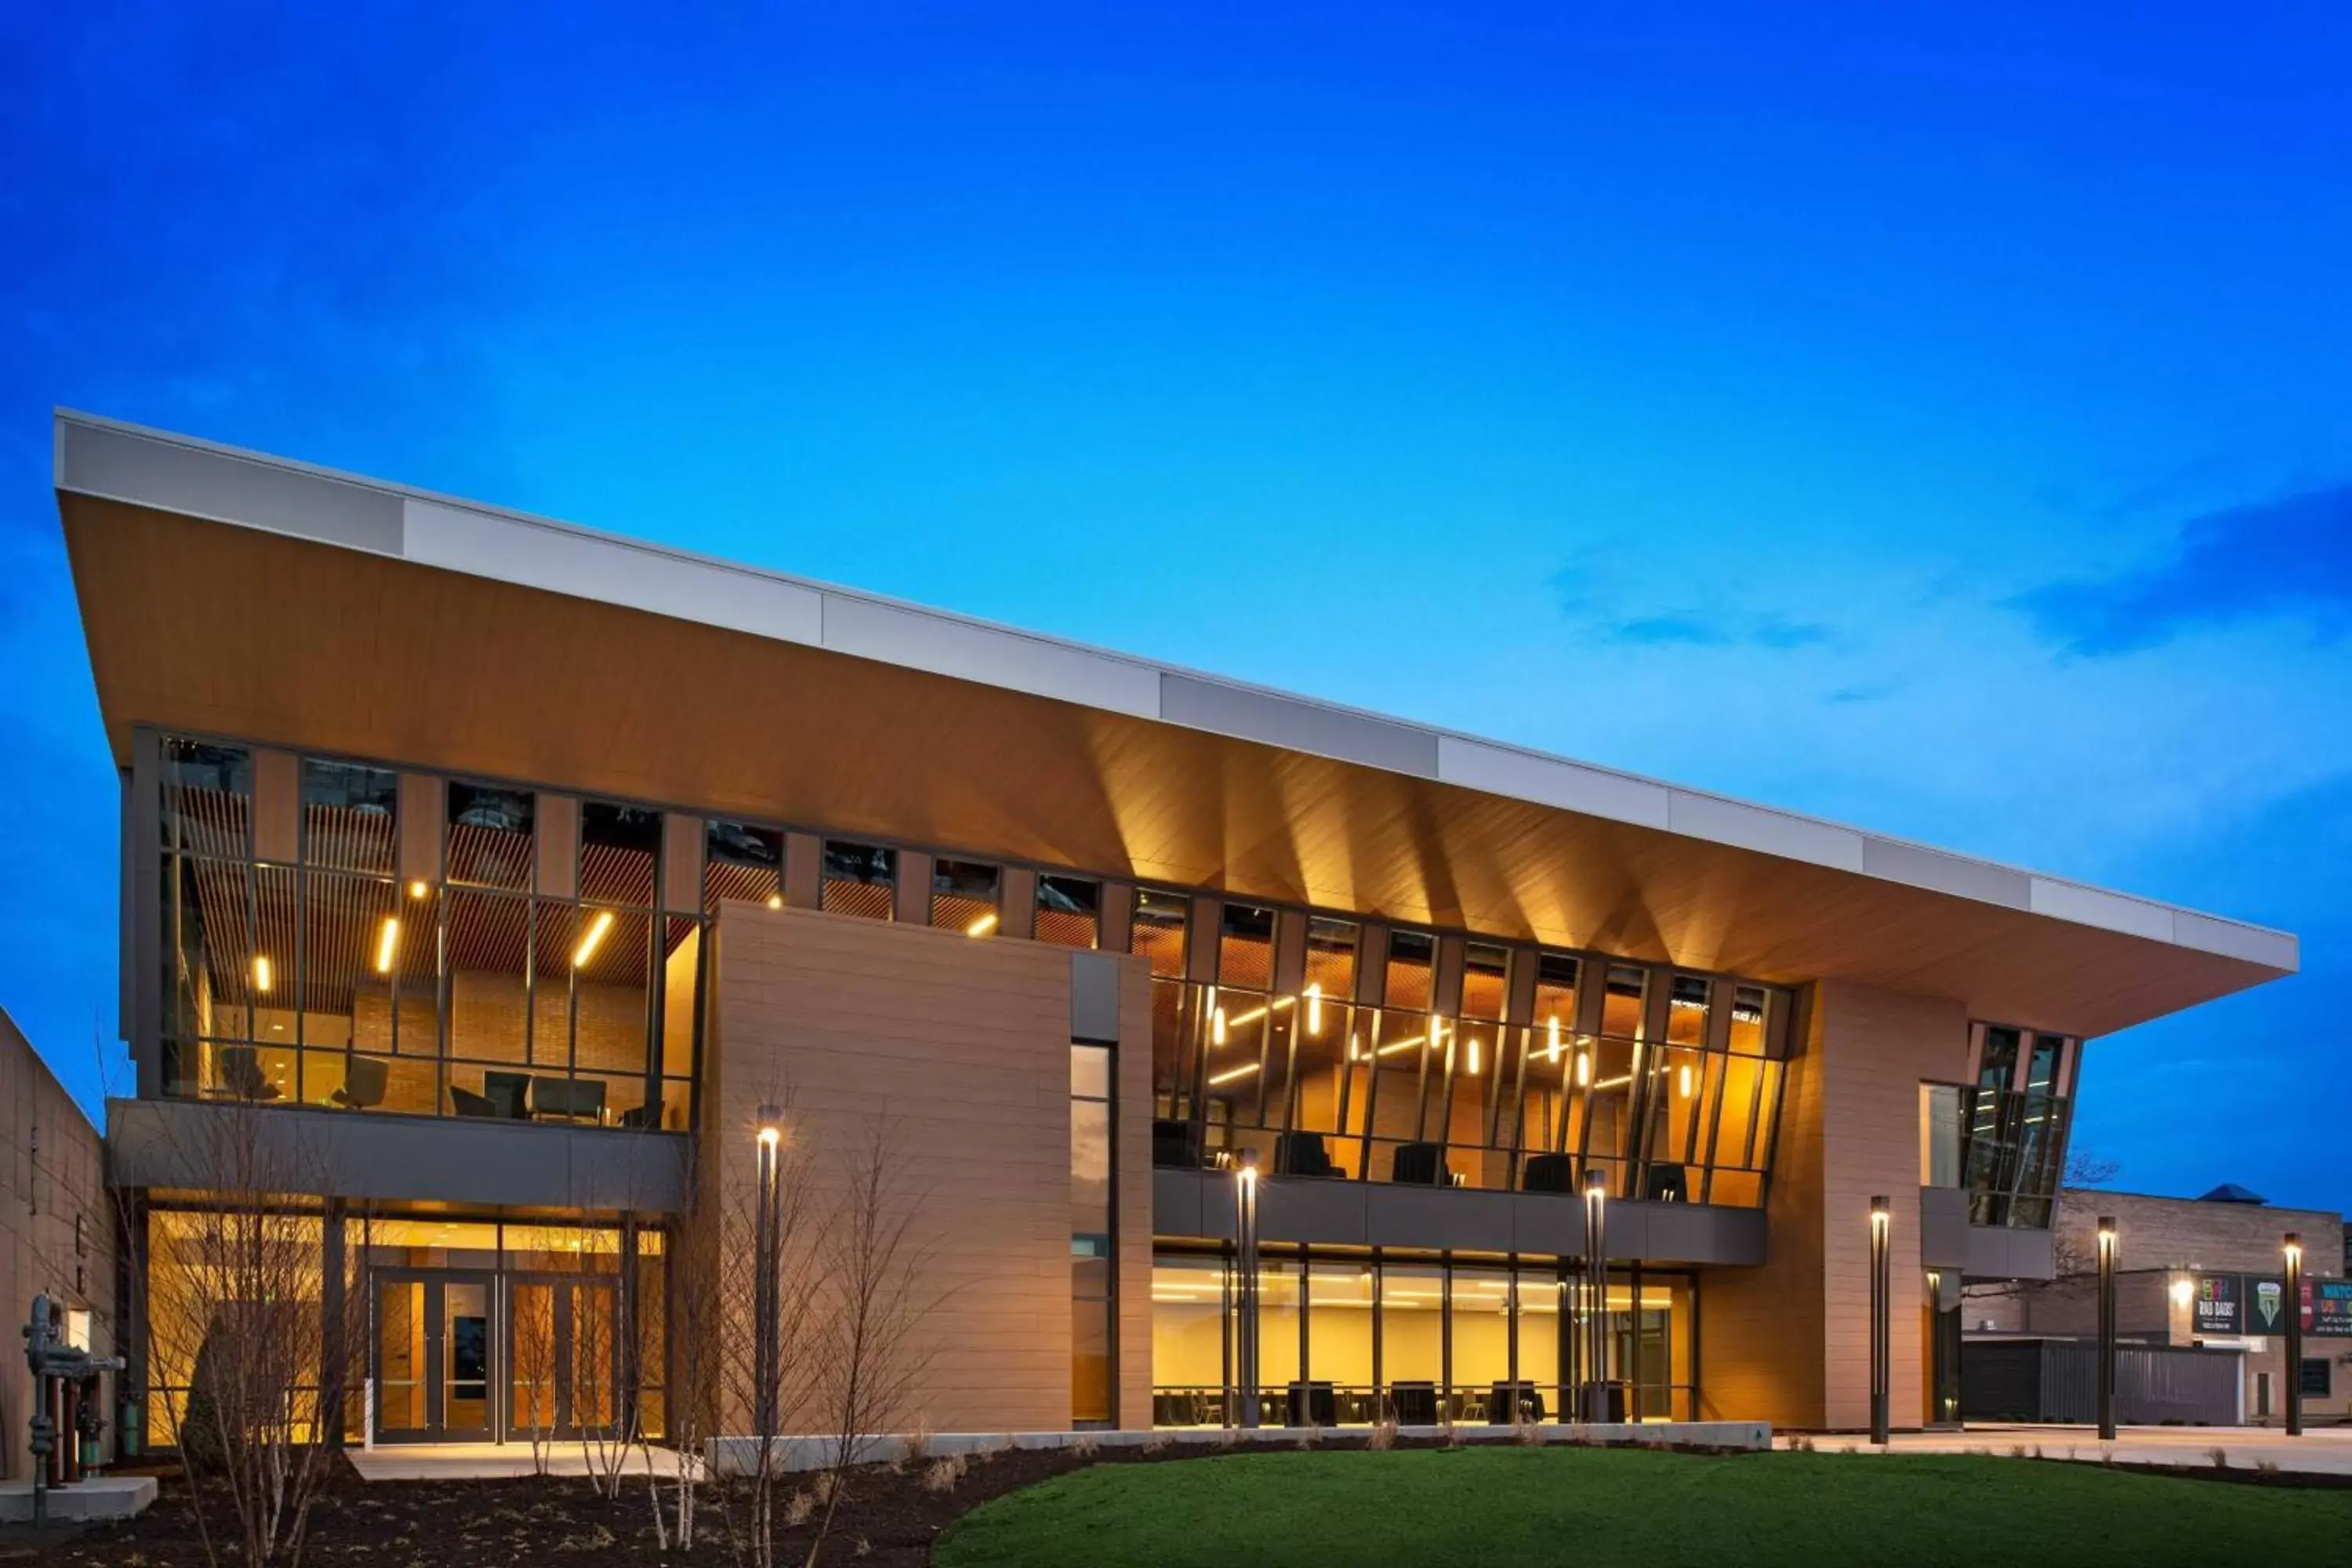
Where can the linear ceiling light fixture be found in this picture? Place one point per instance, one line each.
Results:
(596, 931)
(387, 942)
(1232, 1075)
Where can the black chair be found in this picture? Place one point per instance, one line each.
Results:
(465, 1102)
(364, 1078)
(1549, 1174)
(509, 1092)
(1302, 1154)
(646, 1117)
(241, 1076)
(1513, 1402)
(1312, 1404)
(1665, 1185)
(1419, 1165)
(580, 1099)
(1613, 1403)
(1176, 1144)
(1413, 1404)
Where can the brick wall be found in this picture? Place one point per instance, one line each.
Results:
(963, 1046)
(52, 1174)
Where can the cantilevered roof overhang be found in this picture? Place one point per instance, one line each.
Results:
(238, 595)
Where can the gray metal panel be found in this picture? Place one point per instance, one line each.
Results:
(2237, 940)
(1179, 1206)
(2001, 1252)
(1331, 1212)
(1093, 997)
(147, 471)
(1434, 1217)
(1943, 1229)
(1698, 1233)
(399, 1158)
(1899, 862)
(1298, 725)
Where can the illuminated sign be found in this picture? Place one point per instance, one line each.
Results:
(2215, 1309)
(2327, 1308)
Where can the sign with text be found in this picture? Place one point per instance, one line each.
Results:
(2215, 1309)
(2265, 1305)
(2327, 1308)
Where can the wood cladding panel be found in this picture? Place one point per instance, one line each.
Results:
(303, 644)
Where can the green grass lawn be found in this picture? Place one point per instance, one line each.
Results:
(1509, 1506)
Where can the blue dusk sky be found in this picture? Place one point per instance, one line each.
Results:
(1935, 418)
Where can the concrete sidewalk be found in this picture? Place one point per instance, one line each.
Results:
(490, 1461)
(2322, 1450)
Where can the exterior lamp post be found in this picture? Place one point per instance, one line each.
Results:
(1596, 1317)
(1245, 1205)
(2107, 1328)
(2294, 1334)
(767, 1373)
(1881, 1224)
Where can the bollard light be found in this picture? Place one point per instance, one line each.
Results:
(767, 1370)
(2107, 1328)
(1881, 1226)
(2294, 1334)
(1596, 1320)
(1245, 1231)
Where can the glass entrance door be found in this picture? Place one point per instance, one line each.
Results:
(565, 1357)
(433, 1353)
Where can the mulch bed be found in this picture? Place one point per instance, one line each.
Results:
(887, 1517)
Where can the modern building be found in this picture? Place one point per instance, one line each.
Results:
(2206, 1273)
(507, 870)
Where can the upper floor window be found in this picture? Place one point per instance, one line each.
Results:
(741, 861)
(207, 799)
(351, 816)
(1625, 993)
(1556, 977)
(1159, 919)
(1747, 1020)
(1245, 948)
(491, 835)
(1485, 979)
(1413, 963)
(620, 850)
(1997, 1065)
(964, 895)
(2041, 1069)
(1686, 1010)
(1331, 957)
(858, 879)
(1069, 911)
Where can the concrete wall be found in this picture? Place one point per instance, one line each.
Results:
(962, 1047)
(1790, 1342)
(57, 1227)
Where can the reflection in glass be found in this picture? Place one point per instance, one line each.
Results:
(858, 880)
(491, 835)
(1069, 911)
(964, 895)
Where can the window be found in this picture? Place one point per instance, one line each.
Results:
(1069, 911)
(491, 839)
(858, 880)
(1331, 958)
(1093, 1267)
(964, 896)
(1160, 931)
(1190, 1340)
(351, 816)
(741, 861)
(1245, 948)
(1412, 963)
(2316, 1379)
(1485, 979)
(620, 854)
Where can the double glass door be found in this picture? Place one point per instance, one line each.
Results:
(460, 1356)
(434, 1352)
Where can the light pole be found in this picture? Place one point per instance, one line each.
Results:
(2294, 1334)
(1596, 1317)
(1245, 1206)
(767, 1373)
(1881, 1222)
(2107, 1328)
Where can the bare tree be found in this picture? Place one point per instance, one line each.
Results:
(235, 1309)
(873, 1301)
(2085, 1169)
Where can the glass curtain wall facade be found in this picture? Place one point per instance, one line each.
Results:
(505, 956)
(2012, 1126)
(1347, 1338)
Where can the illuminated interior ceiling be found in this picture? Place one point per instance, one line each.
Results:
(248, 632)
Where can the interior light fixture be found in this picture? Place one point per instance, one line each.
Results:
(1252, 1017)
(1684, 1086)
(1583, 1069)
(1474, 1056)
(1355, 1051)
(1399, 1045)
(261, 971)
(775, 900)
(1315, 1009)
(1217, 1027)
(596, 930)
(417, 889)
(1615, 1083)
(981, 926)
(387, 942)
(1232, 1075)
(1552, 1051)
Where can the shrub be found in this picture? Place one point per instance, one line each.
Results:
(919, 1445)
(1385, 1435)
(1527, 1433)
(1085, 1449)
(1159, 1443)
(2221, 1458)
(798, 1508)
(944, 1473)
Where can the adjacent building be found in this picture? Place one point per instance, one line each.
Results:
(498, 875)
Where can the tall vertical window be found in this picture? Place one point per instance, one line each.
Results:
(964, 896)
(1245, 947)
(858, 880)
(1413, 967)
(1160, 931)
(210, 975)
(609, 958)
(491, 835)
(1331, 958)
(1069, 911)
(741, 861)
(1485, 979)
(1093, 1267)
